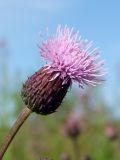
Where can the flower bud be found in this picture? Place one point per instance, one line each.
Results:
(110, 132)
(72, 127)
(64, 156)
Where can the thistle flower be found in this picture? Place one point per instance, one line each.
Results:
(111, 132)
(71, 59)
(65, 156)
(72, 128)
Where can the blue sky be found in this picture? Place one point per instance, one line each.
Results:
(22, 20)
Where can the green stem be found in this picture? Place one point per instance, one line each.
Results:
(76, 148)
(8, 139)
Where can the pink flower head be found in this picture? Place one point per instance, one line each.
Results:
(73, 57)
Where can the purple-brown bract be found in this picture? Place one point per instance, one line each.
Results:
(72, 59)
(73, 56)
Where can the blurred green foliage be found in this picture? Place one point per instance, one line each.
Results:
(44, 136)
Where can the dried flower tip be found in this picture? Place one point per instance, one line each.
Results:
(44, 91)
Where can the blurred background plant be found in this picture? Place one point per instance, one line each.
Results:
(87, 123)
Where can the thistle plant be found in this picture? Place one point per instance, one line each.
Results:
(65, 156)
(71, 59)
(111, 132)
(72, 127)
(73, 131)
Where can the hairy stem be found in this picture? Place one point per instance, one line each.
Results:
(20, 120)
